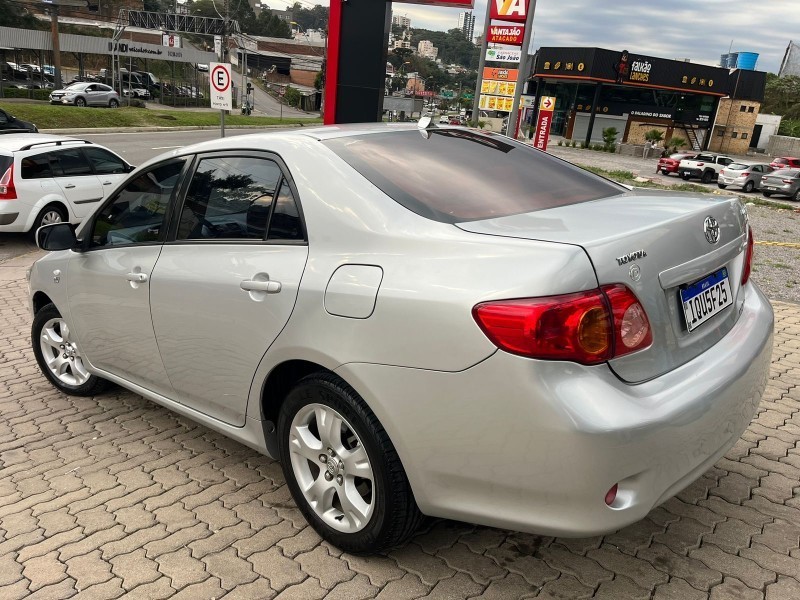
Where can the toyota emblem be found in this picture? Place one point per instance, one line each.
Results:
(711, 229)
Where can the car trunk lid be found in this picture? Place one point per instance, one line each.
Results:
(655, 243)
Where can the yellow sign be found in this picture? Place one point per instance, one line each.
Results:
(498, 88)
(547, 103)
(500, 103)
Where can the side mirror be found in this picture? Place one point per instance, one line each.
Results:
(58, 236)
(130, 168)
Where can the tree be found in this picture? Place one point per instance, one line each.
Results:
(610, 137)
(654, 136)
(14, 14)
(270, 25)
(292, 96)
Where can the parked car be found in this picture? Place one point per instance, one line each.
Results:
(30, 67)
(785, 182)
(202, 67)
(669, 164)
(367, 308)
(51, 179)
(705, 167)
(740, 175)
(785, 162)
(9, 122)
(444, 119)
(86, 94)
(136, 92)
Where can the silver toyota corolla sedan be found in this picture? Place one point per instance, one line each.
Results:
(432, 321)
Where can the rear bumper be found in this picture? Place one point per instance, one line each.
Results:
(535, 446)
(690, 172)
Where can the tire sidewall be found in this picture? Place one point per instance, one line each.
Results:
(321, 391)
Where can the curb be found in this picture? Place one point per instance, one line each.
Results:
(154, 129)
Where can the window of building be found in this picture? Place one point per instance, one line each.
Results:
(734, 135)
(721, 133)
(751, 109)
(744, 136)
(742, 108)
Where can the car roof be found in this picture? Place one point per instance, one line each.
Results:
(14, 142)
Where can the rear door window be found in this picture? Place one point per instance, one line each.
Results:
(73, 163)
(39, 166)
(455, 175)
(104, 162)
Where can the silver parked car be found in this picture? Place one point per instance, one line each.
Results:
(432, 321)
(745, 177)
(86, 94)
(785, 182)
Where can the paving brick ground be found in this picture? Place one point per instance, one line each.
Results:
(113, 495)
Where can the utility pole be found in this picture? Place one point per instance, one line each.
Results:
(224, 59)
(56, 46)
(482, 62)
(524, 68)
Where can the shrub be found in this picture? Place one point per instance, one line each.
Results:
(654, 136)
(574, 144)
(610, 137)
(292, 96)
(560, 143)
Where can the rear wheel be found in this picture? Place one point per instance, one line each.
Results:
(113, 103)
(720, 186)
(796, 195)
(50, 214)
(59, 357)
(343, 471)
(708, 177)
(80, 102)
(767, 194)
(748, 187)
(686, 176)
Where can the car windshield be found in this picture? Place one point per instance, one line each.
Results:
(454, 175)
(76, 86)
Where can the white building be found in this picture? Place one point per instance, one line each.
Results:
(466, 23)
(402, 44)
(401, 21)
(427, 49)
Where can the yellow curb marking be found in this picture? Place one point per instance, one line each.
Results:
(782, 244)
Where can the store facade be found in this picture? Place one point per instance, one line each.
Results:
(596, 88)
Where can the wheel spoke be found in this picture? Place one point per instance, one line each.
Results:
(320, 494)
(356, 463)
(50, 337)
(64, 330)
(55, 362)
(79, 371)
(353, 506)
(304, 443)
(330, 428)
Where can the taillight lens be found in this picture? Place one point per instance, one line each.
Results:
(786, 180)
(745, 174)
(587, 327)
(748, 257)
(7, 189)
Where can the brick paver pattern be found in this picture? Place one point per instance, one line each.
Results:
(113, 495)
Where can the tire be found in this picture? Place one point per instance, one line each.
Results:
(720, 186)
(113, 103)
(707, 177)
(748, 187)
(686, 176)
(796, 195)
(767, 194)
(52, 213)
(50, 338)
(80, 102)
(382, 513)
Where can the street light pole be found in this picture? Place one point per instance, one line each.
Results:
(524, 67)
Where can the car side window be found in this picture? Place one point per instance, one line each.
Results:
(136, 214)
(73, 163)
(229, 198)
(39, 166)
(3, 118)
(104, 162)
(285, 223)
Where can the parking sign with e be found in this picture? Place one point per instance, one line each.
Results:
(219, 75)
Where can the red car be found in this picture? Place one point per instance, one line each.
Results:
(785, 162)
(670, 164)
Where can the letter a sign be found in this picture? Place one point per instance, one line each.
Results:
(509, 10)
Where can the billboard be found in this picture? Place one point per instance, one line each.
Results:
(509, 10)
(499, 103)
(498, 88)
(500, 74)
(506, 34)
(503, 55)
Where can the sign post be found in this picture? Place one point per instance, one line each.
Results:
(220, 78)
(543, 122)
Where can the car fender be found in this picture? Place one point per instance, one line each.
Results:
(49, 276)
(44, 201)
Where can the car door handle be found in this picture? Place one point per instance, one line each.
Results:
(107, 182)
(69, 186)
(136, 277)
(270, 287)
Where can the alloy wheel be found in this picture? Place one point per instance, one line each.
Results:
(332, 468)
(61, 353)
(50, 217)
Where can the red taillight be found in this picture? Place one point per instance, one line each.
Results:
(722, 172)
(7, 189)
(787, 180)
(587, 327)
(748, 257)
(611, 494)
(745, 174)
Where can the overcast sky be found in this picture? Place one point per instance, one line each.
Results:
(696, 29)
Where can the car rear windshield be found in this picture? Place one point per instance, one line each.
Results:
(456, 175)
(5, 162)
(737, 167)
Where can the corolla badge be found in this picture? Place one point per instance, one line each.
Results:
(711, 229)
(623, 260)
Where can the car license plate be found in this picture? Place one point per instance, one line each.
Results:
(706, 298)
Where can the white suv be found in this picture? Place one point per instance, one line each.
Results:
(48, 179)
